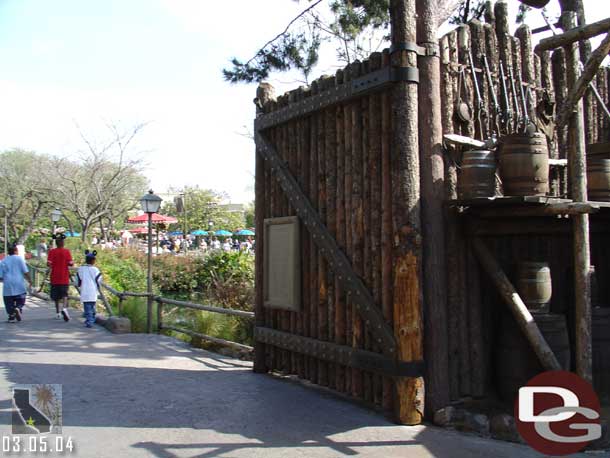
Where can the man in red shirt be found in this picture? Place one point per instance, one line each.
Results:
(59, 260)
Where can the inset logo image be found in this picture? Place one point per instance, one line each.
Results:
(37, 409)
(558, 413)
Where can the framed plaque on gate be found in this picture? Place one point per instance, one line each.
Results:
(282, 260)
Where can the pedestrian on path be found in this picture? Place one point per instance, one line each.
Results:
(89, 278)
(60, 261)
(13, 270)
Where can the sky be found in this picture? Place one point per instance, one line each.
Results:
(71, 66)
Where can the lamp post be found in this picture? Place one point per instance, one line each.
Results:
(150, 204)
(55, 217)
(5, 212)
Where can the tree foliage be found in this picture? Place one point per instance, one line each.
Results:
(356, 27)
(202, 207)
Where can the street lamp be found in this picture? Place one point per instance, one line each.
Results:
(150, 204)
(55, 217)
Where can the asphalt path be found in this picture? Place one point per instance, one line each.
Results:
(140, 395)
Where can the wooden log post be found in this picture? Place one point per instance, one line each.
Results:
(409, 400)
(528, 74)
(432, 168)
(264, 94)
(561, 89)
(580, 223)
(515, 303)
(387, 296)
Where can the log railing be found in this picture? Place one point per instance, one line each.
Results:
(39, 278)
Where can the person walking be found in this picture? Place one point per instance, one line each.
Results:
(13, 270)
(60, 261)
(89, 278)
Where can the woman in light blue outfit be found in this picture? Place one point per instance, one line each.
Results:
(13, 271)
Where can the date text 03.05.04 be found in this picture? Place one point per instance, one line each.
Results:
(37, 444)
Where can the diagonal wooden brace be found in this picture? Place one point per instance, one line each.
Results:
(337, 260)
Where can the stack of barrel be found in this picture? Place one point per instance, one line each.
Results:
(598, 172)
(515, 360)
(524, 168)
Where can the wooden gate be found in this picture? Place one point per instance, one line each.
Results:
(324, 154)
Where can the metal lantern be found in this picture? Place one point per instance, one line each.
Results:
(150, 202)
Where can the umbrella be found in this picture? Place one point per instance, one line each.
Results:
(139, 230)
(156, 218)
(72, 234)
(245, 232)
(175, 233)
(222, 233)
(199, 232)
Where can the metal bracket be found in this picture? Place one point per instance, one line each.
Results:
(384, 76)
(426, 49)
(339, 354)
(337, 260)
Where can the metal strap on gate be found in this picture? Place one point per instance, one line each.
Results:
(370, 82)
(328, 247)
(339, 354)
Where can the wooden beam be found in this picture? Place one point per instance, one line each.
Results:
(523, 316)
(576, 208)
(407, 303)
(580, 223)
(574, 35)
(579, 89)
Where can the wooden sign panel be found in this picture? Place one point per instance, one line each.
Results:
(282, 286)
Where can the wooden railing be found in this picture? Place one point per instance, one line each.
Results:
(39, 278)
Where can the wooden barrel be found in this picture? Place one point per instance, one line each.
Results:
(477, 176)
(601, 351)
(535, 3)
(598, 180)
(534, 285)
(524, 165)
(515, 361)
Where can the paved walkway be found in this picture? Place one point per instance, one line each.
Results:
(151, 396)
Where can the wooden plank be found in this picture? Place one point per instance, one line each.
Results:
(574, 35)
(314, 254)
(517, 307)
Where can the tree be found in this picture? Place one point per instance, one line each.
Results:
(357, 28)
(24, 192)
(99, 189)
(202, 207)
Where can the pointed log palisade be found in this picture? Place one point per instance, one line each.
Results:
(394, 267)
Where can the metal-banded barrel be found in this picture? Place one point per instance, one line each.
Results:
(598, 180)
(477, 174)
(534, 285)
(524, 164)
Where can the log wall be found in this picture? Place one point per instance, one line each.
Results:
(342, 158)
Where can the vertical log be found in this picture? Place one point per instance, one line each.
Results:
(305, 170)
(516, 50)
(477, 38)
(432, 169)
(466, 87)
(580, 223)
(561, 90)
(387, 296)
(503, 34)
(528, 74)
(457, 351)
(322, 264)
(339, 319)
(331, 216)
(357, 227)
(352, 72)
(366, 225)
(480, 364)
(271, 199)
(407, 221)
(374, 233)
(602, 85)
(292, 146)
(490, 17)
(313, 252)
(264, 93)
(546, 81)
